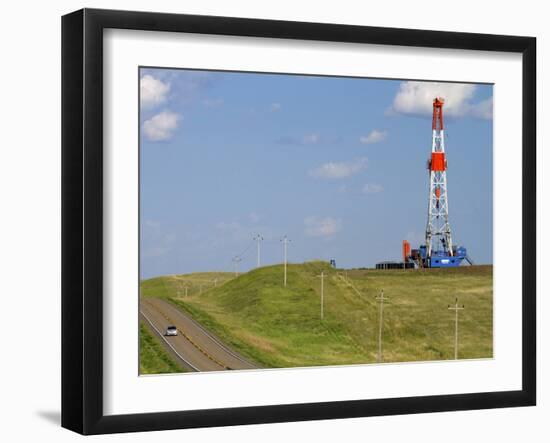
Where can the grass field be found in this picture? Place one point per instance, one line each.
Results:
(281, 327)
(153, 359)
(175, 285)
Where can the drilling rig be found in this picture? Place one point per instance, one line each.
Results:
(439, 250)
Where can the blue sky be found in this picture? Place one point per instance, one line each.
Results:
(337, 164)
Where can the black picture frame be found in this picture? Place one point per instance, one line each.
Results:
(82, 218)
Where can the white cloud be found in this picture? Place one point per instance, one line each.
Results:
(372, 188)
(416, 98)
(161, 126)
(274, 107)
(483, 109)
(321, 226)
(375, 136)
(310, 139)
(335, 170)
(153, 92)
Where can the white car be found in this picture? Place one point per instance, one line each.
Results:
(171, 331)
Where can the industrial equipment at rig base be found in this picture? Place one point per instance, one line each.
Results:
(439, 250)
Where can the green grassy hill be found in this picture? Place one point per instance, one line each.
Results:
(174, 285)
(281, 327)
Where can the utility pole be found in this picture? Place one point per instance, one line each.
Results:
(258, 239)
(456, 308)
(322, 277)
(186, 292)
(381, 299)
(236, 261)
(285, 242)
(215, 282)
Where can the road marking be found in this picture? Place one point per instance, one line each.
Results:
(214, 339)
(190, 339)
(169, 344)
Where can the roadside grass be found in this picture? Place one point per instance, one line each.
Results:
(175, 285)
(278, 326)
(153, 359)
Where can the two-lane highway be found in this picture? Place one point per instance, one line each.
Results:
(195, 347)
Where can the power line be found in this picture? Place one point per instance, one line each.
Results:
(246, 249)
(258, 238)
(236, 261)
(381, 299)
(182, 285)
(239, 257)
(285, 242)
(322, 277)
(456, 308)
